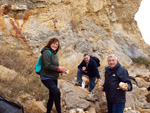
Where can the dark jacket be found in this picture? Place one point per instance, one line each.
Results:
(49, 63)
(91, 69)
(112, 79)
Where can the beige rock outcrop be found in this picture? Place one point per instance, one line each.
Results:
(77, 97)
(81, 26)
(145, 76)
(7, 74)
(141, 82)
(37, 107)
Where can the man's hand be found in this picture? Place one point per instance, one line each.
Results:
(83, 68)
(100, 88)
(99, 80)
(124, 89)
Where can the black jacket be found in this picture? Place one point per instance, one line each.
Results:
(91, 69)
(112, 79)
(49, 63)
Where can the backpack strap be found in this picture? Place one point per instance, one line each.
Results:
(50, 52)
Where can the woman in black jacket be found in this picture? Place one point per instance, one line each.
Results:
(50, 72)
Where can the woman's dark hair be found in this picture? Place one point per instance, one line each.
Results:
(53, 40)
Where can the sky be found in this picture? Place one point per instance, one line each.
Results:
(143, 19)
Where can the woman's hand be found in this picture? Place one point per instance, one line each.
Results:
(63, 69)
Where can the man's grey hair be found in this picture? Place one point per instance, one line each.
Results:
(112, 55)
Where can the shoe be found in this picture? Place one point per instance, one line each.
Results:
(78, 84)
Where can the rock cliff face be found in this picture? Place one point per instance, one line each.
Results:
(97, 27)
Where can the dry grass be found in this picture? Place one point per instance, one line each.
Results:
(24, 64)
(26, 81)
(19, 62)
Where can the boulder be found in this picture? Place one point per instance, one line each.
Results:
(135, 90)
(19, 7)
(7, 74)
(131, 111)
(91, 110)
(131, 101)
(143, 110)
(78, 110)
(141, 82)
(78, 97)
(73, 96)
(132, 74)
(148, 97)
(147, 106)
(142, 93)
(37, 107)
(145, 76)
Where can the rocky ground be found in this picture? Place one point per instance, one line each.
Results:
(76, 99)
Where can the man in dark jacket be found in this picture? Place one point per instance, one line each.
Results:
(115, 95)
(88, 67)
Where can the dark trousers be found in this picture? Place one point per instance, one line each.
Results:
(115, 107)
(54, 95)
(92, 79)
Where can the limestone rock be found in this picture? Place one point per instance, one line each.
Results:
(131, 101)
(142, 97)
(0, 88)
(147, 106)
(132, 74)
(135, 90)
(131, 111)
(74, 97)
(78, 110)
(95, 5)
(91, 110)
(141, 82)
(137, 70)
(91, 97)
(142, 93)
(145, 76)
(72, 111)
(144, 110)
(37, 107)
(38, 0)
(148, 97)
(19, 7)
(7, 74)
(77, 97)
(128, 45)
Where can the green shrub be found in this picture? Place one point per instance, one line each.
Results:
(142, 60)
